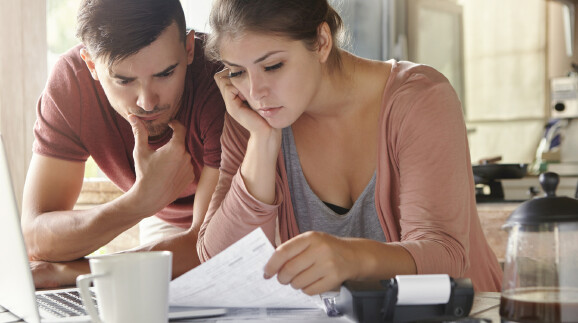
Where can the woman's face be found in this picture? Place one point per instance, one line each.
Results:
(278, 77)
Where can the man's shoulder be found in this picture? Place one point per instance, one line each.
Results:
(70, 88)
(69, 70)
(202, 66)
(71, 58)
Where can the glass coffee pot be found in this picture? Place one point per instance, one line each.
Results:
(540, 282)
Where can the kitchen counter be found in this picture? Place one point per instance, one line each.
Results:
(492, 217)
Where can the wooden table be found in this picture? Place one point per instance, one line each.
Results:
(486, 306)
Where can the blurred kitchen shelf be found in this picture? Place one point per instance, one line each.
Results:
(518, 189)
(564, 169)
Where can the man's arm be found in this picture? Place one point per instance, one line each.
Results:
(183, 245)
(55, 232)
(52, 229)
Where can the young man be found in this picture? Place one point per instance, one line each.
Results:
(139, 97)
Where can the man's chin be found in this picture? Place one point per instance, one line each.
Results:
(157, 131)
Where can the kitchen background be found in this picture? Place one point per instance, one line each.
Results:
(499, 55)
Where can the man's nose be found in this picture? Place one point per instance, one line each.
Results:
(147, 98)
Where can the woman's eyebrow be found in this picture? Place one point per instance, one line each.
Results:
(258, 60)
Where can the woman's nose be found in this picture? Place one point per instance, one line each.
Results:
(258, 88)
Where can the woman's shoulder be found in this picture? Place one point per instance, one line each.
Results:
(406, 71)
(414, 88)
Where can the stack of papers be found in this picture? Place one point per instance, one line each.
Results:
(234, 279)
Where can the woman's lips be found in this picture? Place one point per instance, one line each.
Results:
(269, 112)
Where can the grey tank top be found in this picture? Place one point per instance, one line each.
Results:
(313, 215)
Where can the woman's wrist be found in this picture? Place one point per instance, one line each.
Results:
(259, 165)
(374, 260)
(361, 260)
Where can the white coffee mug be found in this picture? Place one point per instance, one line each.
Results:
(129, 287)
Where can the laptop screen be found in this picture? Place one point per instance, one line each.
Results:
(16, 284)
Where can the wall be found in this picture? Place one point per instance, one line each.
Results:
(22, 78)
(507, 123)
(510, 123)
(506, 94)
(558, 62)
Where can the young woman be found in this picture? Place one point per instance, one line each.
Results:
(355, 169)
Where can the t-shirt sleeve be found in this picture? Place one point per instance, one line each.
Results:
(57, 126)
(211, 120)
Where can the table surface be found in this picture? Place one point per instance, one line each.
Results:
(486, 306)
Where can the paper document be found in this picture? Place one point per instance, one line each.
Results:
(234, 278)
(273, 315)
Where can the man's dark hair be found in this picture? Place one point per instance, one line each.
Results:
(117, 29)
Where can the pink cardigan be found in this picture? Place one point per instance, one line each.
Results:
(424, 193)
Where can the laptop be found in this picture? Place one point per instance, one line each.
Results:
(18, 297)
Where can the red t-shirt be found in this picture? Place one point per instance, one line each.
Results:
(75, 121)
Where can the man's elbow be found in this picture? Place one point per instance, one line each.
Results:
(38, 249)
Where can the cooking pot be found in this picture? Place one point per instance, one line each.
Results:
(488, 172)
(487, 179)
(540, 282)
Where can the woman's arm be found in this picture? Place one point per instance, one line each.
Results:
(426, 171)
(233, 211)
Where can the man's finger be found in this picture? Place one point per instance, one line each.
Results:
(179, 131)
(141, 135)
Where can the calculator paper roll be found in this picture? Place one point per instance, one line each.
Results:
(423, 289)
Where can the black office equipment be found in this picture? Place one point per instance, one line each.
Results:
(369, 302)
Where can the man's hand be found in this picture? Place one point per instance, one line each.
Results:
(162, 175)
(57, 274)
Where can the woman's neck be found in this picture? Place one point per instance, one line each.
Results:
(346, 89)
(337, 90)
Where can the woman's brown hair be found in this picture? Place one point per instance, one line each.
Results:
(295, 19)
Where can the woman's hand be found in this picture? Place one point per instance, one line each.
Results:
(238, 107)
(315, 262)
(260, 162)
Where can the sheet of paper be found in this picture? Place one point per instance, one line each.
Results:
(234, 278)
(275, 315)
(271, 315)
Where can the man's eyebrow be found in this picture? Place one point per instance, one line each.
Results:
(258, 60)
(166, 70)
(162, 73)
(124, 78)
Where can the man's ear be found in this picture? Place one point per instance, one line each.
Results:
(89, 63)
(190, 46)
(324, 42)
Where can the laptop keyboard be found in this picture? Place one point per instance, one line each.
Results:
(62, 304)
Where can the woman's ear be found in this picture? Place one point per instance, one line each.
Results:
(85, 55)
(324, 42)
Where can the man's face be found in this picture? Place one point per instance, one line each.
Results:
(150, 83)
